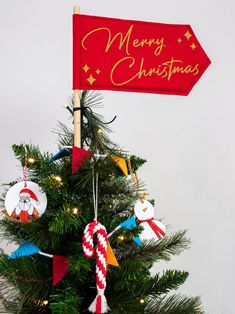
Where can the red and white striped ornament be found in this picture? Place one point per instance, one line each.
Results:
(99, 305)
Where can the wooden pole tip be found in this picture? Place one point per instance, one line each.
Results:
(76, 10)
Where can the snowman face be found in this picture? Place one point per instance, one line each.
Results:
(144, 210)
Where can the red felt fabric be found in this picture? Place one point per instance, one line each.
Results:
(60, 268)
(158, 231)
(125, 55)
(24, 216)
(79, 155)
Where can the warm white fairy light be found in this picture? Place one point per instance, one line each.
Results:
(75, 210)
(45, 302)
(58, 178)
(121, 237)
(31, 160)
(142, 301)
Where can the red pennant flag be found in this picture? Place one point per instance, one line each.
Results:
(125, 55)
(79, 155)
(60, 268)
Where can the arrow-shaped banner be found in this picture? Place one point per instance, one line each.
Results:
(125, 55)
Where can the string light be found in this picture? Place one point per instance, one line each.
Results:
(58, 178)
(142, 301)
(121, 237)
(110, 206)
(31, 160)
(45, 302)
(75, 210)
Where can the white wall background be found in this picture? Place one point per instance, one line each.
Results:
(188, 141)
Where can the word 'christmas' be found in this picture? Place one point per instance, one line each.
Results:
(164, 70)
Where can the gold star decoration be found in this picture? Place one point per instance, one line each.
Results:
(179, 40)
(187, 35)
(91, 79)
(193, 46)
(97, 71)
(86, 68)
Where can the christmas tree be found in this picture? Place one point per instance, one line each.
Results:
(63, 280)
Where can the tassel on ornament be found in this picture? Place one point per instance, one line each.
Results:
(99, 305)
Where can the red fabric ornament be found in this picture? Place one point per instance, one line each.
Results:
(79, 155)
(60, 268)
(135, 56)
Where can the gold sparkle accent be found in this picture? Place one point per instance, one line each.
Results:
(193, 46)
(97, 71)
(86, 68)
(179, 40)
(91, 79)
(187, 35)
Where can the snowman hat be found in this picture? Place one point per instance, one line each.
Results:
(30, 193)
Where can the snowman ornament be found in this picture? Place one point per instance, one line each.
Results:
(153, 229)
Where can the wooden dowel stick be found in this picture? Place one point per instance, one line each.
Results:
(130, 170)
(77, 118)
(77, 104)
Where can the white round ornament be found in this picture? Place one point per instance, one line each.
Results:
(153, 228)
(25, 202)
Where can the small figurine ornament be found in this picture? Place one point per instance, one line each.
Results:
(25, 202)
(153, 228)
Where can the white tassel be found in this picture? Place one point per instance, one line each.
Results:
(99, 305)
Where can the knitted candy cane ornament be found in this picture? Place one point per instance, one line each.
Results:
(99, 305)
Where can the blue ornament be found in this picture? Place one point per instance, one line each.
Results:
(63, 152)
(129, 224)
(138, 241)
(25, 249)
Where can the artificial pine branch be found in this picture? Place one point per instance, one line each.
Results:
(162, 284)
(31, 276)
(59, 231)
(65, 301)
(154, 251)
(175, 304)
